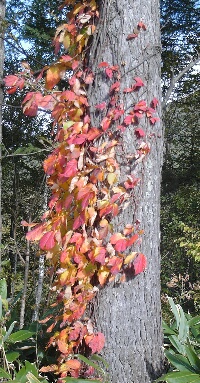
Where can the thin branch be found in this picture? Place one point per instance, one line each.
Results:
(20, 107)
(26, 154)
(22, 51)
(175, 79)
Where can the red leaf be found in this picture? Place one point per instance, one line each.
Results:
(70, 170)
(68, 95)
(101, 106)
(115, 86)
(140, 263)
(116, 263)
(131, 182)
(121, 245)
(109, 72)
(47, 102)
(14, 82)
(68, 201)
(128, 90)
(129, 119)
(153, 120)
(141, 106)
(31, 103)
(139, 82)
(98, 255)
(103, 64)
(139, 132)
(154, 103)
(132, 36)
(47, 242)
(142, 26)
(74, 334)
(79, 221)
(105, 123)
(89, 78)
(95, 342)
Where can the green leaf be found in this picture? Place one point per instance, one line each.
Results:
(9, 330)
(193, 358)
(177, 344)
(174, 310)
(179, 362)
(11, 356)
(194, 321)
(167, 329)
(21, 375)
(31, 378)
(99, 359)
(31, 368)
(183, 326)
(90, 363)
(5, 303)
(20, 335)
(180, 377)
(4, 374)
(3, 288)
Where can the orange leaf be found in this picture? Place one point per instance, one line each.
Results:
(132, 239)
(35, 234)
(50, 368)
(54, 74)
(63, 347)
(103, 64)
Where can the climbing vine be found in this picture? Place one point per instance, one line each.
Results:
(84, 177)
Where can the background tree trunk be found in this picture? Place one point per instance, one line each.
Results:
(129, 313)
(24, 294)
(2, 17)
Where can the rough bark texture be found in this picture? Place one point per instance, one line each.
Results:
(2, 16)
(129, 314)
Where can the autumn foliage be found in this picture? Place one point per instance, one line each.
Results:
(84, 177)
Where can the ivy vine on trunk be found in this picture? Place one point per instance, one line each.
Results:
(102, 226)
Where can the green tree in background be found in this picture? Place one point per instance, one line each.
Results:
(181, 172)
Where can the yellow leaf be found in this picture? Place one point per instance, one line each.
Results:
(54, 74)
(66, 40)
(130, 257)
(112, 178)
(103, 274)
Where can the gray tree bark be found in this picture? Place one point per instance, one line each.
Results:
(24, 294)
(129, 313)
(2, 17)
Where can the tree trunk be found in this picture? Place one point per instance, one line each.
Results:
(2, 17)
(23, 300)
(39, 289)
(129, 313)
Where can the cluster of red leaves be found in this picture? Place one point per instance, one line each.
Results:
(76, 232)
